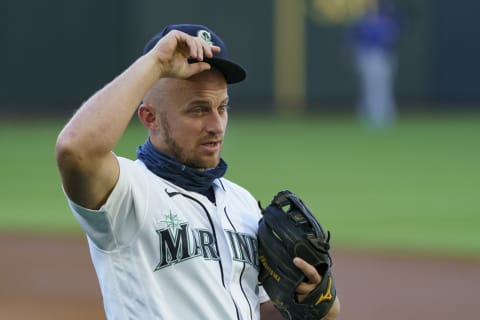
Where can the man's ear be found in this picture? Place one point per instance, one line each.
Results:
(148, 116)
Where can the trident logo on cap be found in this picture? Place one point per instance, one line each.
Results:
(205, 35)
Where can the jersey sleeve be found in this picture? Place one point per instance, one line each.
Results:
(118, 220)
(262, 295)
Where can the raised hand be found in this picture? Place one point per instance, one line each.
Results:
(174, 50)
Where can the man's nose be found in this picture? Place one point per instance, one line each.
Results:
(216, 123)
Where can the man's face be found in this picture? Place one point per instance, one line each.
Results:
(192, 117)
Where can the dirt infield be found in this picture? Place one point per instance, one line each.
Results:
(53, 278)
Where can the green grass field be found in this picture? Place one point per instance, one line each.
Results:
(414, 187)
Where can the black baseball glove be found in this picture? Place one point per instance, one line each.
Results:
(288, 229)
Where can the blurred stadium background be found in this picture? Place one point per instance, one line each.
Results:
(56, 53)
(412, 188)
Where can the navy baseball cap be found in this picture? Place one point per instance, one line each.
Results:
(232, 71)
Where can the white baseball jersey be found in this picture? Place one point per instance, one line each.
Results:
(162, 252)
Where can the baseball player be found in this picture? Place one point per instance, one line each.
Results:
(169, 237)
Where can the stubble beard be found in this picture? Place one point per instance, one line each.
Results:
(178, 152)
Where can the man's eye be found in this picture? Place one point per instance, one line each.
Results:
(223, 108)
(198, 111)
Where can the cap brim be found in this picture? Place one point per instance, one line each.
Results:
(233, 72)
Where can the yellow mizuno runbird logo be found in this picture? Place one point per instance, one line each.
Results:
(327, 295)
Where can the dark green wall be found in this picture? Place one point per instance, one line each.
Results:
(54, 54)
(455, 51)
(57, 52)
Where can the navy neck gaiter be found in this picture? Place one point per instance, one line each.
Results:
(178, 173)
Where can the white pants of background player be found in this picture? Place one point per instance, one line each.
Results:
(376, 71)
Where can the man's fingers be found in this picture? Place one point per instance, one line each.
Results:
(308, 270)
(199, 67)
(176, 48)
(199, 48)
(312, 278)
(304, 288)
(193, 46)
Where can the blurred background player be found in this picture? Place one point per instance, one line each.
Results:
(373, 39)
